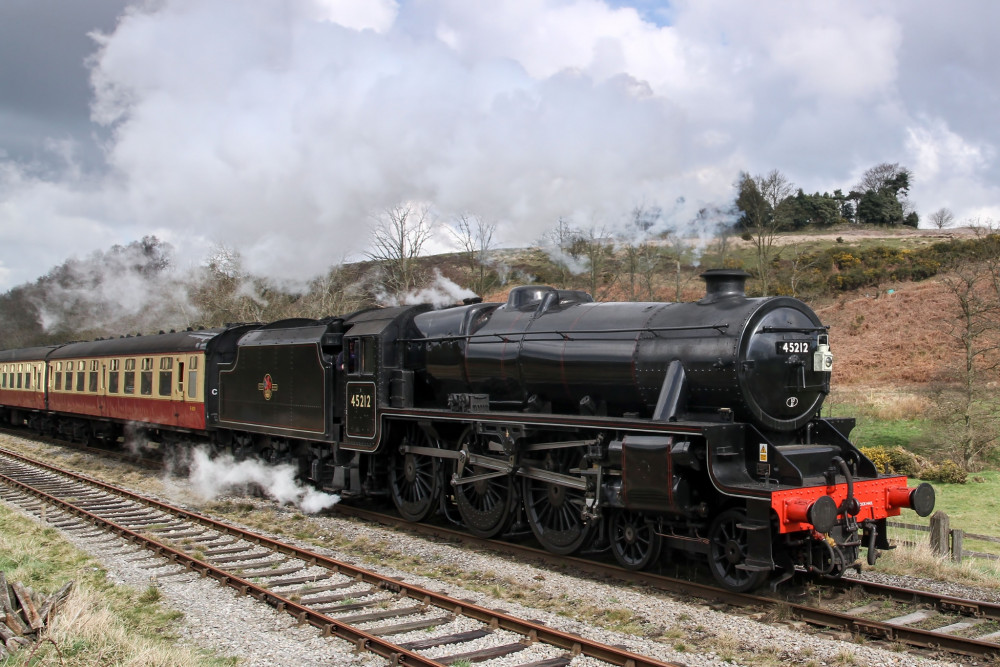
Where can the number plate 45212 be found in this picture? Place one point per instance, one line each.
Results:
(792, 347)
(361, 400)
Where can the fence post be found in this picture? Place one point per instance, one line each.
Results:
(939, 533)
(956, 545)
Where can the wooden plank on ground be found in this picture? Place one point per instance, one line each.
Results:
(27, 606)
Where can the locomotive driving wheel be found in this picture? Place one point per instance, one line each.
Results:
(414, 479)
(486, 505)
(727, 551)
(634, 540)
(556, 511)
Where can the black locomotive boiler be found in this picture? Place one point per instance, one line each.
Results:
(658, 430)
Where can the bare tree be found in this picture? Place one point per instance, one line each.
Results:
(475, 237)
(722, 241)
(597, 247)
(565, 238)
(228, 293)
(759, 199)
(677, 252)
(398, 236)
(881, 176)
(640, 257)
(942, 218)
(975, 289)
(802, 266)
(335, 292)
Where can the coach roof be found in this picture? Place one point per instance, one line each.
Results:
(166, 343)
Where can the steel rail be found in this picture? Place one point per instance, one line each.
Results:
(329, 626)
(815, 616)
(533, 631)
(826, 618)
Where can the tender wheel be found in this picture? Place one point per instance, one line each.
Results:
(727, 550)
(414, 479)
(555, 511)
(634, 541)
(486, 505)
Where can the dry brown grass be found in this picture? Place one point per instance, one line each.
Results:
(888, 340)
(920, 561)
(98, 624)
(90, 632)
(883, 404)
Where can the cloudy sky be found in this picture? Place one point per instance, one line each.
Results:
(281, 127)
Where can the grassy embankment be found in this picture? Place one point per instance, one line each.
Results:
(100, 623)
(889, 419)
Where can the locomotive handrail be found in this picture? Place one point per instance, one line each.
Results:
(508, 335)
(794, 329)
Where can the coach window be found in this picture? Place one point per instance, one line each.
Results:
(27, 378)
(69, 376)
(193, 377)
(130, 376)
(57, 376)
(146, 377)
(3, 377)
(20, 376)
(113, 375)
(166, 375)
(94, 364)
(81, 376)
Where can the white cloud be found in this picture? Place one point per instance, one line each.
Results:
(938, 152)
(377, 15)
(280, 127)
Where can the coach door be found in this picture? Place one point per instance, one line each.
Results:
(360, 366)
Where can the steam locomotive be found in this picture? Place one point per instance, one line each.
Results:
(643, 428)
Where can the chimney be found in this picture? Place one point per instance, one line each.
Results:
(723, 284)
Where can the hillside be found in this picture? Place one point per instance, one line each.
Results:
(897, 335)
(891, 339)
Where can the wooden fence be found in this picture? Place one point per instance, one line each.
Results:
(946, 540)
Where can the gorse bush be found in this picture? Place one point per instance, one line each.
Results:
(894, 460)
(899, 461)
(948, 472)
(843, 268)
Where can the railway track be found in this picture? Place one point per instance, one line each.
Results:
(925, 620)
(921, 619)
(338, 598)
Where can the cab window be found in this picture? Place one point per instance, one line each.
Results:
(360, 355)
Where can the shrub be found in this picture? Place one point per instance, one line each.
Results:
(947, 471)
(895, 460)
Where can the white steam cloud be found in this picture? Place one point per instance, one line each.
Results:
(223, 474)
(440, 293)
(280, 126)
